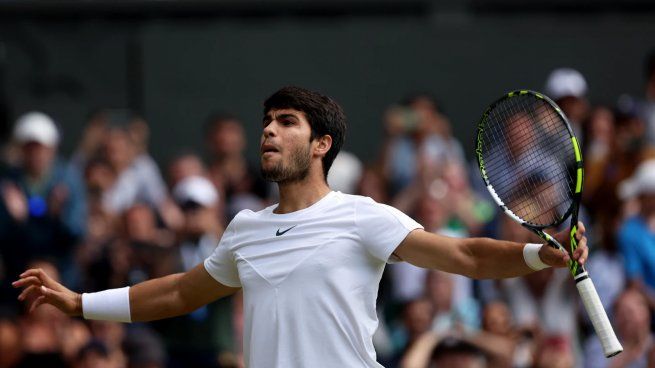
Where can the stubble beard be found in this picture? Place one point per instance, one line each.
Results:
(296, 171)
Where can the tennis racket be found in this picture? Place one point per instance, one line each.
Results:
(530, 162)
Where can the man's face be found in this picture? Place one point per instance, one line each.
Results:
(285, 146)
(37, 157)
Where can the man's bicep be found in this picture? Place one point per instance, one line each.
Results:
(197, 288)
(428, 250)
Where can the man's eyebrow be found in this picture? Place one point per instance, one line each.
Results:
(286, 116)
(270, 117)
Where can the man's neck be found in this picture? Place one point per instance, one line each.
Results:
(299, 195)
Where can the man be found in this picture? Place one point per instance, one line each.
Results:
(568, 88)
(42, 205)
(310, 265)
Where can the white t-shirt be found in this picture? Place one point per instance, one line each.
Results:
(310, 279)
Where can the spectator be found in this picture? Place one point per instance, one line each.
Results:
(433, 350)
(43, 208)
(238, 181)
(568, 88)
(183, 166)
(200, 338)
(11, 345)
(647, 107)
(555, 352)
(417, 139)
(416, 320)
(632, 319)
(635, 236)
(454, 309)
(93, 355)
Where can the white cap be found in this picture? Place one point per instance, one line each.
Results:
(641, 182)
(196, 189)
(564, 82)
(345, 173)
(36, 127)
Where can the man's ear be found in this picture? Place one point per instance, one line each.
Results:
(323, 145)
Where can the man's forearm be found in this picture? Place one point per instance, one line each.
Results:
(495, 259)
(157, 299)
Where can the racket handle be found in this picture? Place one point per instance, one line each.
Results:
(596, 312)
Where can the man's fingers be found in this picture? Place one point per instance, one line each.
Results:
(580, 232)
(26, 281)
(41, 275)
(40, 300)
(29, 290)
(582, 252)
(555, 257)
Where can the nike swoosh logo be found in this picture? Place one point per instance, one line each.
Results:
(278, 232)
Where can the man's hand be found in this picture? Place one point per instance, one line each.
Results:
(556, 258)
(39, 288)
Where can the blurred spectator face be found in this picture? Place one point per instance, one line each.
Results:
(99, 177)
(139, 133)
(198, 199)
(226, 138)
(432, 213)
(575, 108)
(111, 334)
(417, 317)
(183, 167)
(430, 118)
(37, 157)
(520, 131)
(632, 316)
(199, 221)
(496, 318)
(555, 352)
(601, 125)
(38, 137)
(372, 185)
(11, 349)
(118, 148)
(140, 224)
(455, 175)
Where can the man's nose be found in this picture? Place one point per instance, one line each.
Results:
(269, 129)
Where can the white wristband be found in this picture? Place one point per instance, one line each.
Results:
(107, 305)
(531, 256)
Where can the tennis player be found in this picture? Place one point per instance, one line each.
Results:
(310, 265)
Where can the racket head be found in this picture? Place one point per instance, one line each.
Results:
(529, 159)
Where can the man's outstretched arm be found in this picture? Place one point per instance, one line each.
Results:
(482, 258)
(164, 297)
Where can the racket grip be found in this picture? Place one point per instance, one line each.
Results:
(596, 312)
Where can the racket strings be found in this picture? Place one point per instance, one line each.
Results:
(526, 150)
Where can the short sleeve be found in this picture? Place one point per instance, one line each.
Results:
(382, 228)
(221, 265)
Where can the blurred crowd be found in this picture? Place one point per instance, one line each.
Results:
(110, 216)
